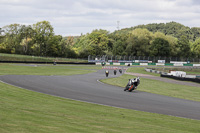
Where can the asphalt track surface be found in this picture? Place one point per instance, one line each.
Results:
(87, 88)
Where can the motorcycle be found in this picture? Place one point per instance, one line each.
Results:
(107, 73)
(132, 84)
(115, 72)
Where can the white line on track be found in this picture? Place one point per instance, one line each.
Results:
(100, 82)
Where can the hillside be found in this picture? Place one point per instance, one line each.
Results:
(172, 28)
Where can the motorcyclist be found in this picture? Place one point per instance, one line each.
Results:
(132, 84)
(120, 70)
(136, 82)
(115, 72)
(107, 73)
(54, 63)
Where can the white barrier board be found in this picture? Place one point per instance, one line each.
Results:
(196, 64)
(178, 64)
(128, 63)
(97, 63)
(143, 64)
(116, 64)
(160, 64)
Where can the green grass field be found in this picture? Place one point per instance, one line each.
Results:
(24, 111)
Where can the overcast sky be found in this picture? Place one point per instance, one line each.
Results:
(73, 17)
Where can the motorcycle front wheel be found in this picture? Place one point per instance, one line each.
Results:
(126, 88)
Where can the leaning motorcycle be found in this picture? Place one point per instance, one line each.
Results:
(132, 84)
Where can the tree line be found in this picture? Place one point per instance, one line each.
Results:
(38, 39)
(168, 40)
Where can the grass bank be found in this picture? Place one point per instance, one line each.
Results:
(17, 57)
(26, 111)
(18, 69)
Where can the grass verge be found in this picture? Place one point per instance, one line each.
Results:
(26, 111)
(159, 87)
(141, 70)
(17, 57)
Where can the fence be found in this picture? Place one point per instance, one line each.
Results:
(105, 58)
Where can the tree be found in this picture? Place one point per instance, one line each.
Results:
(171, 40)
(26, 36)
(1, 36)
(66, 47)
(195, 48)
(119, 48)
(183, 47)
(53, 47)
(160, 47)
(139, 40)
(12, 40)
(133, 47)
(95, 43)
(25, 45)
(173, 43)
(43, 32)
(98, 42)
(119, 44)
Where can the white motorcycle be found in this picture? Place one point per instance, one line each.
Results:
(132, 84)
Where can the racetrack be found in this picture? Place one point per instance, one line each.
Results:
(87, 88)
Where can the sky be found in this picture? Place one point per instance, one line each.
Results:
(76, 17)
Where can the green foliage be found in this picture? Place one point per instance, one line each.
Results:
(196, 48)
(173, 28)
(53, 46)
(139, 42)
(183, 47)
(118, 44)
(160, 47)
(44, 32)
(38, 39)
(95, 43)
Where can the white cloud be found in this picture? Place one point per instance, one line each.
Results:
(82, 16)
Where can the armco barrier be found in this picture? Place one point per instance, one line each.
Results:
(151, 64)
(181, 78)
(187, 64)
(135, 63)
(169, 64)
